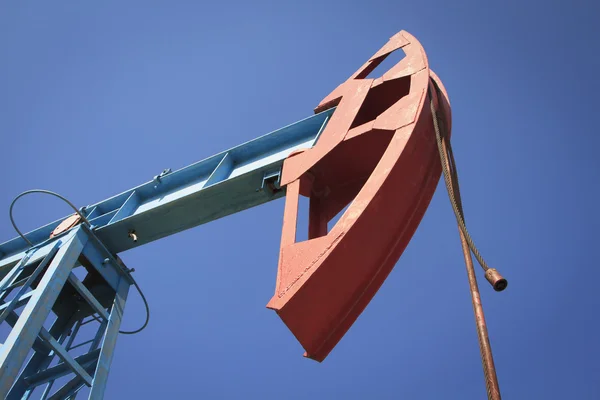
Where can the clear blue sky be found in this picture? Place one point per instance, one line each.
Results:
(98, 97)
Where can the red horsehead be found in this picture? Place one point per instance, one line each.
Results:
(378, 153)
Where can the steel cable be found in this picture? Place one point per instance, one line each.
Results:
(451, 181)
(451, 176)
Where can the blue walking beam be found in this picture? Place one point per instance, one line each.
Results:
(38, 282)
(218, 186)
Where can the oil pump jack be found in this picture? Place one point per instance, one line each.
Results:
(374, 147)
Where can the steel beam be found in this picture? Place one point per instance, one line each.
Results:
(64, 355)
(218, 186)
(109, 342)
(56, 286)
(61, 328)
(21, 338)
(17, 300)
(62, 369)
(87, 295)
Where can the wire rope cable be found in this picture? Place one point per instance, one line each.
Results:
(450, 174)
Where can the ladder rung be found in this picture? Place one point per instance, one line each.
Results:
(61, 369)
(14, 271)
(19, 302)
(64, 355)
(16, 284)
(38, 270)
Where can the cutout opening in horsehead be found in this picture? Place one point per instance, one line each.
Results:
(337, 179)
(380, 65)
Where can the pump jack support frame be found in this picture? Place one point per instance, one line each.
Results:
(44, 284)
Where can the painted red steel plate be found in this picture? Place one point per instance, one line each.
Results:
(378, 153)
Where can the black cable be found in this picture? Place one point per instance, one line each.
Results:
(12, 221)
(10, 213)
(145, 305)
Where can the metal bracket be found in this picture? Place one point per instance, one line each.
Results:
(158, 177)
(271, 183)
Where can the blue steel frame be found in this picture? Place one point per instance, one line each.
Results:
(43, 285)
(39, 279)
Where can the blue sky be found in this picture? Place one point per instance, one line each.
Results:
(96, 98)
